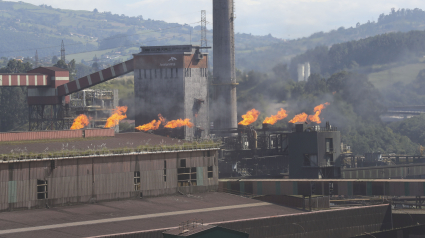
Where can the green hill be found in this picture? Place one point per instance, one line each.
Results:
(87, 33)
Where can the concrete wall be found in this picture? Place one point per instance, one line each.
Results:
(81, 180)
(385, 172)
(196, 87)
(347, 187)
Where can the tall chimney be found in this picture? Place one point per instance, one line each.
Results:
(224, 82)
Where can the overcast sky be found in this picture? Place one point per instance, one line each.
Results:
(281, 18)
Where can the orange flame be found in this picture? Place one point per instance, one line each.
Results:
(179, 123)
(80, 122)
(117, 116)
(318, 110)
(250, 117)
(154, 125)
(299, 118)
(273, 119)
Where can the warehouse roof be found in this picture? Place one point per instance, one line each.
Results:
(134, 215)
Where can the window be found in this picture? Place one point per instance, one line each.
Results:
(171, 73)
(137, 181)
(186, 177)
(165, 171)
(183, 163)
(156, 75)
(210, 172)
(329, 145)
(140, 74)
(177, 73)
(160, 73)
(145, 72)
(150, 73)
(42, 189)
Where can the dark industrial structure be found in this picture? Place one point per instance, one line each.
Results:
(313, 152)
(307, 151)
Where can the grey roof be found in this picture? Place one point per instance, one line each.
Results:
(197, 229)
(188, 231)
(160, 210)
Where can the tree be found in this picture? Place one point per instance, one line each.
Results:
(61, 64)
(54, 59)
(95, 10)
(13, 103)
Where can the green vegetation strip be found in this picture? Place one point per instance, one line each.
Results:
(141, 149)
(53, 141)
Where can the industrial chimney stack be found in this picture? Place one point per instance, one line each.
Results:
(224, 95)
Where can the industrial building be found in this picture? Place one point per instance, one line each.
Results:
(172, 81)
(96, 169)
(313, 152)
(171, 184)
(307, 151)
(96, 104)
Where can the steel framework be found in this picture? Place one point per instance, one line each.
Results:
(204, 41)
(48, 117)
(63, 52)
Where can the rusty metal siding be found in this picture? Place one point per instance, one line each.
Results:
(99, 133)
(100, 178)
(39, 135)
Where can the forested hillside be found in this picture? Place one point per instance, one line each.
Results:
(29, 28)
(402, 20)
(361, 54)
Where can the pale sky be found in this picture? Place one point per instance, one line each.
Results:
(281, 18)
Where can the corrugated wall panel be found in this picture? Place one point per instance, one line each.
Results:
(99, 133)
(39, 135)
(71, 180)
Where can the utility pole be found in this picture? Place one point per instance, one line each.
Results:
(204, 41)
(63, 52)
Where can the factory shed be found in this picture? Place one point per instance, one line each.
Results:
(38, 174)
(202, 231)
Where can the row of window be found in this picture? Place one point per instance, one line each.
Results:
(185, 177)
(167, 73)
(158, 73)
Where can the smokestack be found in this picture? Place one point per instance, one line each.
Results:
(301, 73)
(306, 71)
(224, 82)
